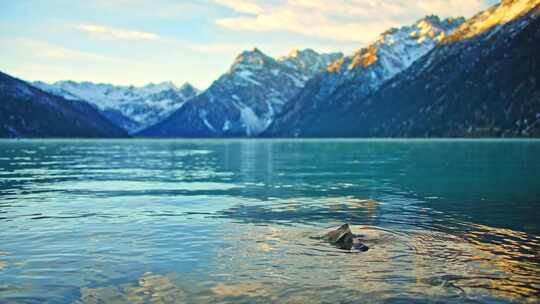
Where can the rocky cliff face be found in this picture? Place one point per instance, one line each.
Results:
(26, 111)
(360, 74)
(245, 100)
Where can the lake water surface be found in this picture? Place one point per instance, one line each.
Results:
(231, 221)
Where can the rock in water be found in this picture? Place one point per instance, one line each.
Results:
(343, 238)
(339, 235)
(360, 247)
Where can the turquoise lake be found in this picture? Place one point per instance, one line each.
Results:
(232, 221)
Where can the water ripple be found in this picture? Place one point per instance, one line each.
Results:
(233, 221)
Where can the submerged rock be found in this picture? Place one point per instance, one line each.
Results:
(343, 238)
(150, 288)
(249, 290)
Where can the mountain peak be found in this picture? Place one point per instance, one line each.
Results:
(130, 107)
(499, 14)
(187, 85)
(415, 39)
(435, 22)
(432, 18)
(187, 89)
(253, 53)
(294, 53)
(308, 61)
(165, 85)
(48, 115)
(431, 27)
(297, 53)
(250, 58)
(65, 82)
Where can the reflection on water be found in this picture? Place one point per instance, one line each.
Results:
(150, 288)
(240, 290)
(233, 221)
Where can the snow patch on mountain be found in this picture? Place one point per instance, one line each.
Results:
(395, 50)
(361, 73)
(144, 105)
(308, 61)
(253, 123)
(245, 100)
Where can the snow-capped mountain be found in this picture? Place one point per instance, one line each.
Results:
(496, 18)
(361, 73)
(308, 61)
(245, 100)
(394, 51)
(26, 111)
(480, 81)
(434, 78)
(130, 107)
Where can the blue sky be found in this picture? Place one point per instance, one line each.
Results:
(140, 41)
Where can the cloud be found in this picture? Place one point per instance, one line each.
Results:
(223, 48)
(242, 6)
(338, 20)
(156, 9)
(51, 51)
(312, 25)
(465, 8)
(116, 33)
(39, 60)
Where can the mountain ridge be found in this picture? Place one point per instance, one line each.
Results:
(483, 85)
(27, 111)
(366, 69)
(243, 101)
(130, 107)
(401, 85)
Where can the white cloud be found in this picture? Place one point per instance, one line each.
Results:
(116, 33)
(160, 9)
(51, 51)
(223, 48)
(339, 20)
(311, 25)
(465, 8)
(242, 6)
(39, 60)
